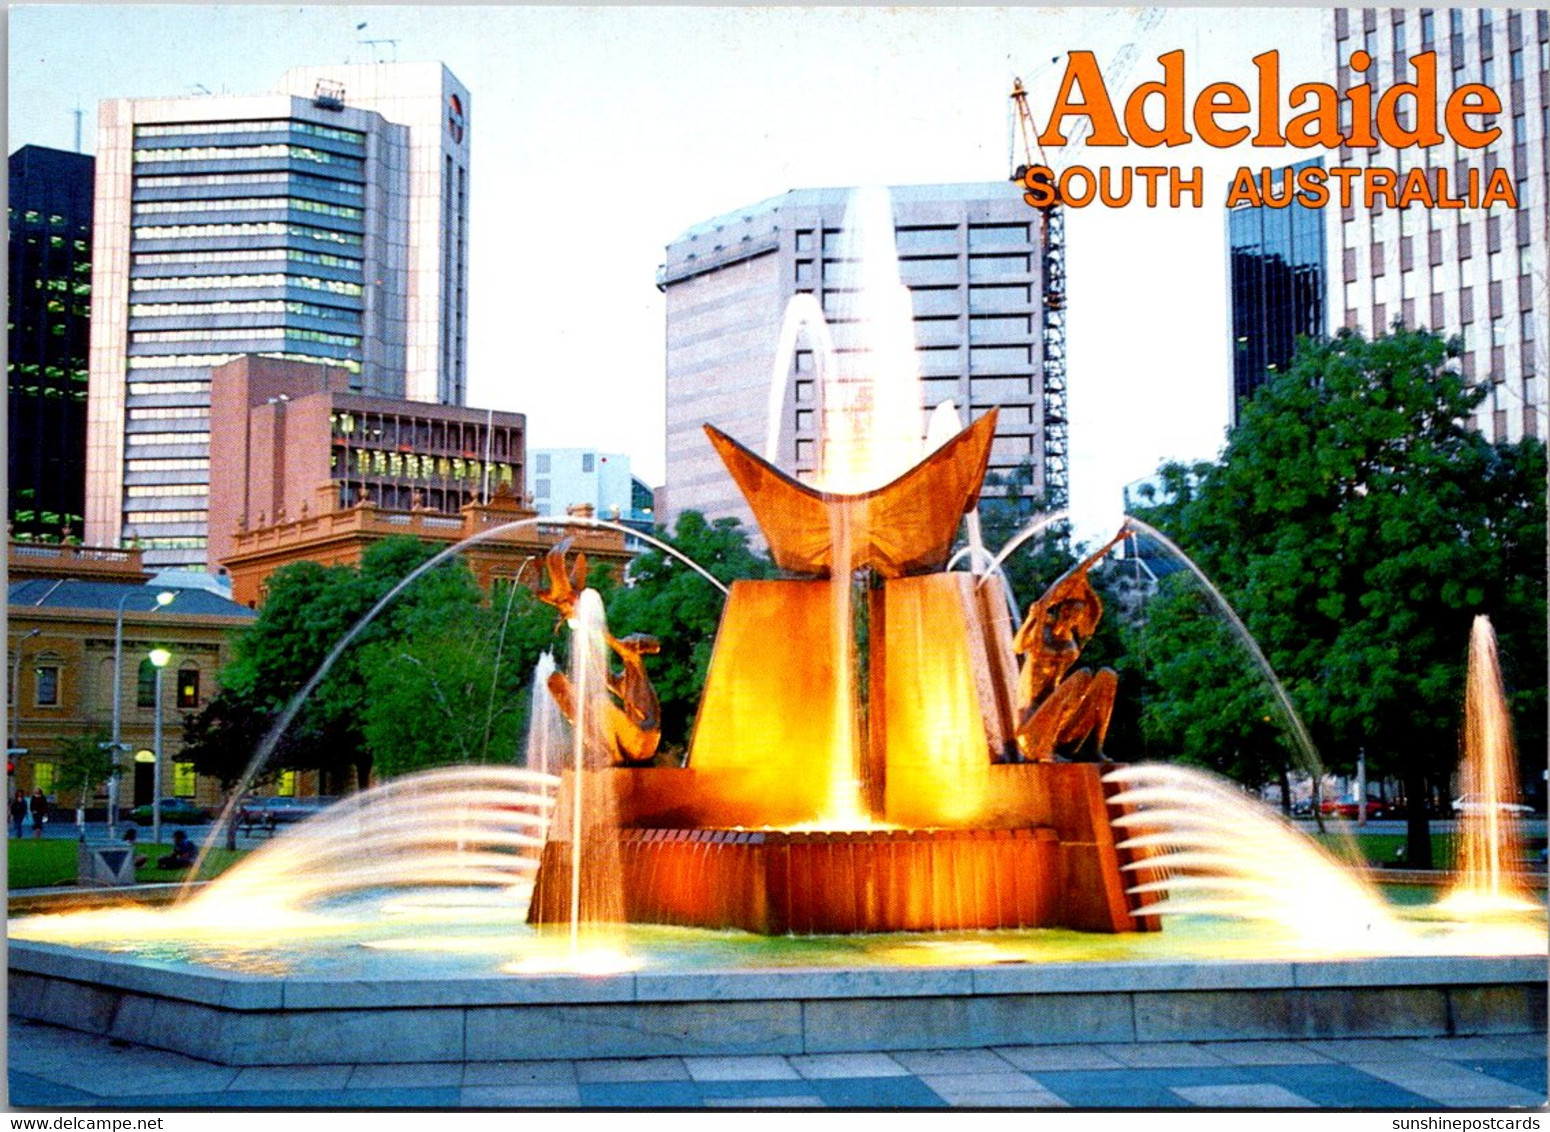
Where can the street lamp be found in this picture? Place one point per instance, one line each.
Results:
(159, 658)
(163, 599)
(16, 698)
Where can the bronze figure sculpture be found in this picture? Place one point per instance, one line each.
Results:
(1058, 709)
(633, 726)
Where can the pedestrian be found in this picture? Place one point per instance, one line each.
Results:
(39, 812)
(18, 812)
(182, 855)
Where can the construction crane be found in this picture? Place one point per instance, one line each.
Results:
(1052, 244)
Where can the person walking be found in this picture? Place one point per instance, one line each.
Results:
(39, 812)
(18, 812)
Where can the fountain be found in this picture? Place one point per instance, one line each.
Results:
(927, 872)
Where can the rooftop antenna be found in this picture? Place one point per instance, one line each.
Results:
(77, 112)
(374, 43)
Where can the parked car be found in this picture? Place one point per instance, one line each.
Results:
(1329, 808)
(270, 812)
(174, 811)
(1474, 804)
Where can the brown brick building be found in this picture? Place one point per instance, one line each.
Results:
(281, 429)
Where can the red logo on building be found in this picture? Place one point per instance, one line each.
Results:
(455, 120)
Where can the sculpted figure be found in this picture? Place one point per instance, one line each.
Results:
(633, 724)
(1057, 708)
(565, 586)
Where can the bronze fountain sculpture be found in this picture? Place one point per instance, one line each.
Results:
(943, 805)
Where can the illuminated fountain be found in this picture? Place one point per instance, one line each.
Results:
(1490, 849)
(943, 809)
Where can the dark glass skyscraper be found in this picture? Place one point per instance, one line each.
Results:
(49, 316)
(1278, 286)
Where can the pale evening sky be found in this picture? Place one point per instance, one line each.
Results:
(599, 134)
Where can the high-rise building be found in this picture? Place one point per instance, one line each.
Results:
(1477, 273)
(1278, 281)
(969, 255)
(49, 311)
(324, 225)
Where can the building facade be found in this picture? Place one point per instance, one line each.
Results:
(334, 534)
(969, 256)
(282, 225)
(49, 312)
(285, 428)
(1480, 274)
(61, 676)
(560, 478)
(1276, 262)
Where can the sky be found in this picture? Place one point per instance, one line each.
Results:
(600, 134)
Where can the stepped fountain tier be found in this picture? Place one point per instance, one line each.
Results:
(943, 808)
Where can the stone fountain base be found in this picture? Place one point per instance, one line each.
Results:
(252, 1020)
(1036, 850)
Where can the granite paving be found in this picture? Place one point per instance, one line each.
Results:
(51, 1068)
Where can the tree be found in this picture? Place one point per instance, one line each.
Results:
(85, 761)
(1358, 525)
(309, 610)
(681, 609)
(454, 690)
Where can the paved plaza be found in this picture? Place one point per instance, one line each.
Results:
(52, 1067)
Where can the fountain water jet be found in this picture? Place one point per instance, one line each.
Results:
(1489, 846)
(1209, 848)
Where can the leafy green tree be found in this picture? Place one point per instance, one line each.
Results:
(309, 610)
(673, 603)
(1358, 525)
(85, 762)
(454, 690)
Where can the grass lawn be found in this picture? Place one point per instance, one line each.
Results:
(51, 861)
(1378, 849)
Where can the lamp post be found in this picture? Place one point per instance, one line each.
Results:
(15, 748)
(163, 599)
(159, 658)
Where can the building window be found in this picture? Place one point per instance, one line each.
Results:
(188, 687)
(48, 685)
(184, 781)
(145, 689)
(588, 462)
(543, 464)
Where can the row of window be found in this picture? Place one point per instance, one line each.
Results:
(61, 286)
(221, 282)
(256, 255)
(206, 180)
(155, 491)
(246, 204)
(48, 687)
(206, 361)
(248, 152)
(140, 337)
(134, 438)
(399, 465)
(185, 780)
(186, 465)
(262, 125)
(33, 216)
(174, 413)
(166, 516)
(264, 228)
(252, 306)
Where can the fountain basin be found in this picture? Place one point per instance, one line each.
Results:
(246, 1019)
